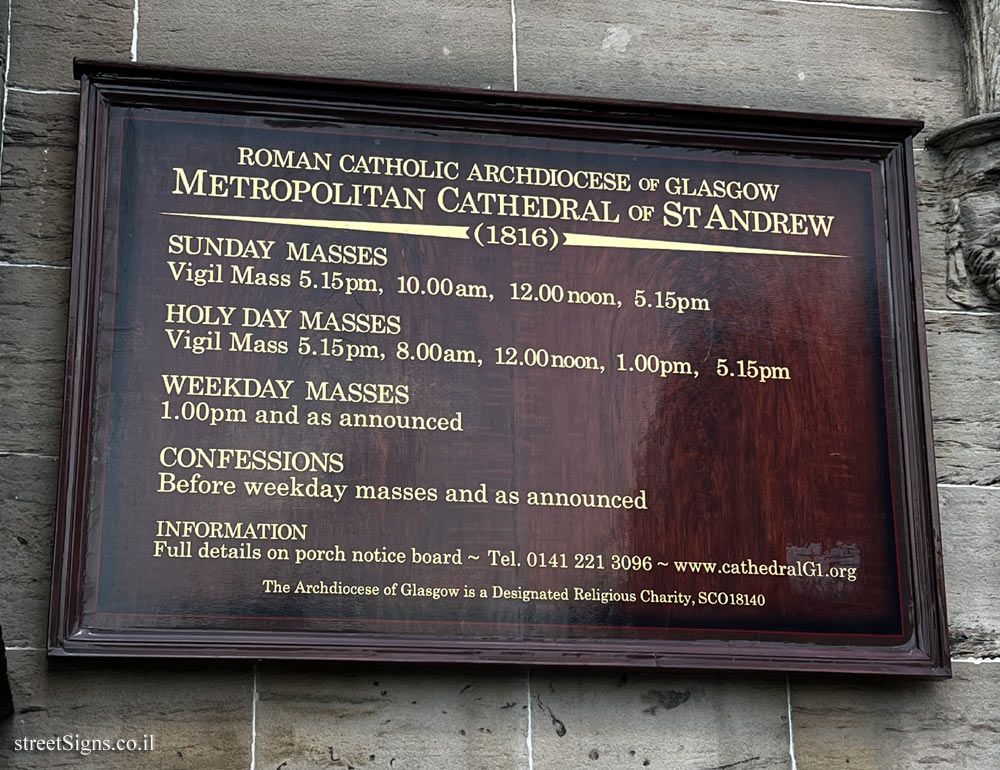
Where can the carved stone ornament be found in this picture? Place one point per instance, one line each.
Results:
(981, 22)
(972, 148)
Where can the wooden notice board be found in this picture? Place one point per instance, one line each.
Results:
(366, 371)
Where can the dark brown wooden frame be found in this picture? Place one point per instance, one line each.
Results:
(888, 142)
(6, 701)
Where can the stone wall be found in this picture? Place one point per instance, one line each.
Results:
(893, 58)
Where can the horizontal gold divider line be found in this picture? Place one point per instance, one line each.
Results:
(462, 233)
(433, 231)
(617, 242)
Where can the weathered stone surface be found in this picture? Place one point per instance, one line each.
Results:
(962, 352)
(41, 120)
(925, 6)
(411, 41)
(405, 719)
(45, 37)
(36, 205)
(880, 724)
(33, 302)
(199, 713)
(4, 12)
(27, 514)
(936, 6)
(790, 56)
(970, 531)
(39, 172)
(658, 720)
(932, 208)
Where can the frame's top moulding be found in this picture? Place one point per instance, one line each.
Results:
(727, 120)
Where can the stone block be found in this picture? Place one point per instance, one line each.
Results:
(933, 6)
(658, 720)
(885, 724)
(27, 516)
(411, 41)
(962, 352)
(932, 214)
(199, 714)
(808, 57)
(346, 715)
(41, 120)
(33, 303)
(45, 38)
(39, 173)
(970, 531)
